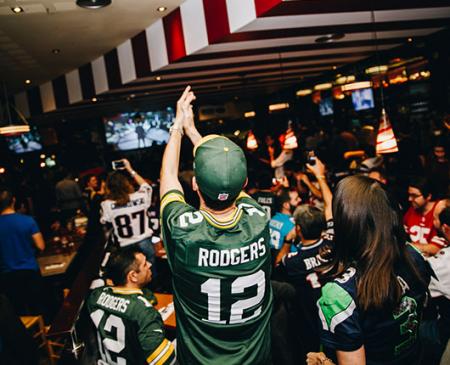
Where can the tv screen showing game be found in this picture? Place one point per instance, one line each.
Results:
(363, 99)
(129, 131)
(326, 106)
(26, 142)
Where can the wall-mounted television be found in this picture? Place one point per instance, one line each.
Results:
(326, 106)
(129, 131)
(26, 142)
(363, 99)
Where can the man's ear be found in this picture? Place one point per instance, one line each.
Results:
(131, 276)
(194, 184)
(245, 184)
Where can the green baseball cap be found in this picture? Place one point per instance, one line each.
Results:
(220, 167)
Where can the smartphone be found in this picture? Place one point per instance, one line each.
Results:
(311, 159)
(118, 164)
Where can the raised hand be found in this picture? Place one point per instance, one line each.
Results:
(184, 108)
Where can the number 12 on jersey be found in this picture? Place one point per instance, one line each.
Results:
(212, 288)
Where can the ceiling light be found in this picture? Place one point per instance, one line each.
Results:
(158, 78)
(2, 170)
(27, 81)
(12, 129)
(345, 79)
(161, 9)
(303, 92)
(250, 114)
(278, 106)
(17, 9)
(93, 4)
(330, 38)
(376, 69)
(237, 132)
(324, 86)
(94, 100)
(410, 40)
(56, 50)
(334, 67)
(357, 85)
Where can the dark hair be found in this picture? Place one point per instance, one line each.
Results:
(119, 188)
(311, 221)
(121, 263)
(217, 204)
(381, 171)
(422, 184)
(6, 199)
(444, 216)
(369, 235)
(281, 198)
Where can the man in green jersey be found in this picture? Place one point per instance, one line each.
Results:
(129, 330)
(219, 254)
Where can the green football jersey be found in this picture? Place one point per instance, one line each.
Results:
(129, 330)
(221, 281)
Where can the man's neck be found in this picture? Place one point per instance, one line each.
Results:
(8, 211)
(286, 211)
(426, 208)
(128, 286)
(309, 242)
(223, 214)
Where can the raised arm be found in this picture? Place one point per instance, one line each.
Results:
(189, 126)
(319, 172)
(138, 178)
(171, 158)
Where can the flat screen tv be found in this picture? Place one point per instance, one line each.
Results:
(326, 106)
(26, 142)
(363, 99)
(129, 131)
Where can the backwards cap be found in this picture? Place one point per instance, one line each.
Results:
(220, 167)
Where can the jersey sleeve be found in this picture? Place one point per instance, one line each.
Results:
(339, 315)
(146, 189)
(156, 348)
(104, 213)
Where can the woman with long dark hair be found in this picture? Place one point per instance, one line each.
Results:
(126, 209)
(372, 306)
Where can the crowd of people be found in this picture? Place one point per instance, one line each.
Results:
(275, 256)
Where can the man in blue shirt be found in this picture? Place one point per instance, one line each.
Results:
(20, 278)
(282, 227)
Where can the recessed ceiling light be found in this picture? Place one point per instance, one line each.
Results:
(93, 4)
(17, 9)
(27, 81)
(330, 38)
(161, 9)
(334, 67)
(94, 99)
(56, 50)
(410, 40)
(158, 78)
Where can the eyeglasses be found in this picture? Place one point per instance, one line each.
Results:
(414, 196)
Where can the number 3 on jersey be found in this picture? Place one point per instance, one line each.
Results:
(212, 287)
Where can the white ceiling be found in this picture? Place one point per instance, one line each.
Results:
(27, 39)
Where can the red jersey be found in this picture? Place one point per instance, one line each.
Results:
(420, 227)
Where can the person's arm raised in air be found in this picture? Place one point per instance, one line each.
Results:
(318, 169)
(189, 126)
(171, 158)
(138, 178)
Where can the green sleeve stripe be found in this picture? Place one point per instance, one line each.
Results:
(169, 197)
(173, 191)
(335, 306)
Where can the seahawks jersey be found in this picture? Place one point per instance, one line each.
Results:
(280, 226)
(266, 199)
(300, 269)
(221, 281)
(389, 336)
(130, 222)
(129, 330)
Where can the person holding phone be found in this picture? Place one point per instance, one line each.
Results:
(126, 209)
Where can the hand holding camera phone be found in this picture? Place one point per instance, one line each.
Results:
(118, 165)
(311, 158)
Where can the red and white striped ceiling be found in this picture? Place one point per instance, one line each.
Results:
(218, 46)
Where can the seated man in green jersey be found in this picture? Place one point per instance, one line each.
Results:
(219, 254)
(129, 329)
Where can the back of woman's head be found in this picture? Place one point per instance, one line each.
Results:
(369, 236)
(118, 188)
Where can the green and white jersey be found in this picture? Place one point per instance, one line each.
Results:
(129, 330)
(221, 281)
